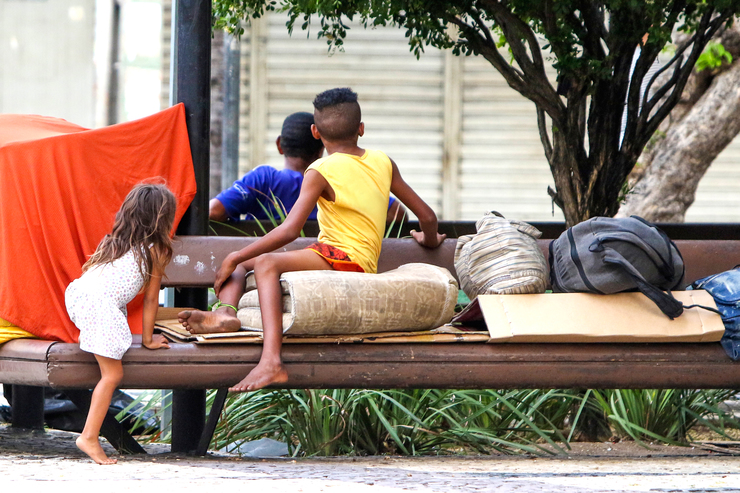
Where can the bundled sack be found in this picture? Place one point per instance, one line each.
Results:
(412, 297)
(725, 289)
(501, 258)
(608, 255)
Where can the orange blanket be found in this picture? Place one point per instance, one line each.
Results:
(60, 187)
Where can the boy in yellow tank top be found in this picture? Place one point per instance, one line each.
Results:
(351, 187)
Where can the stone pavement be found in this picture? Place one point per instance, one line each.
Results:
(49, 462)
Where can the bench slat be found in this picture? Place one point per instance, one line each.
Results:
(197, 258)
(23, 362)
(456, 365)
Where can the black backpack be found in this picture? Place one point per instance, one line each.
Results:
(608, 255)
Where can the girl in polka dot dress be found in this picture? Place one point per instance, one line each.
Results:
(128, 261)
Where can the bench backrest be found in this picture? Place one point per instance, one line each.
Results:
(197, 258)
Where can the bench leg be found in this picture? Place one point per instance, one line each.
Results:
(216, 408)
(28, 407)
(112, 430)
(188, 419)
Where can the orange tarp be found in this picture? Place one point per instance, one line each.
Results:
(60, 188)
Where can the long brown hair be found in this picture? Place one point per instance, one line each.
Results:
(145, 218)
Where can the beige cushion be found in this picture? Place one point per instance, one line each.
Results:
(412, 297)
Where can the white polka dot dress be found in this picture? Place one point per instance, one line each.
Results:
(96, 303)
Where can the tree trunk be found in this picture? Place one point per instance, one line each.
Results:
(706, 121)
(668, 187)
(585, 182)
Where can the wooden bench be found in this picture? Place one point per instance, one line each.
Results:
(425, 365)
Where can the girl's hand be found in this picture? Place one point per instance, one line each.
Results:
(427, 240)
(224, 272)
(158, 342)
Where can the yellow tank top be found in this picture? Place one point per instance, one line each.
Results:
(355, 221)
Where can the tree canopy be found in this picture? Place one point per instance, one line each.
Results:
(599, 49)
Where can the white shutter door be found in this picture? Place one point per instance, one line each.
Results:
(503, 164)
(401, 97)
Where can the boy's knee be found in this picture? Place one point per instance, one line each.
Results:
(267, 262)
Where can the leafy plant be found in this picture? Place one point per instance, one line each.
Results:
(713, 57)
(434, 421)
(389, 228)
(664, 415)
(409, 422)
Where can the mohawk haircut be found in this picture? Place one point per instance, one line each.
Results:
(337, 114)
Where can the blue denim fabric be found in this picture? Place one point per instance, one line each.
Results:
(725, 289)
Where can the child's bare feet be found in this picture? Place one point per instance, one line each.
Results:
(262, 375)
(93, 449)
(198, 322)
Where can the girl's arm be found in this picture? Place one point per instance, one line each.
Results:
(151, 304)
(429, 237)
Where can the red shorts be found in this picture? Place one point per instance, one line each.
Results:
(338, 259)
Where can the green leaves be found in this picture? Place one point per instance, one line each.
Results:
(409, 422)
(434, 421)
(713, 57)
(663, 415)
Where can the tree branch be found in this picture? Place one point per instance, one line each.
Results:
(513, 25)
(544, 97)
(474, 38)
(594, 17)
(637, 131)
(540, 90)
(544, 137)
(648, 105)
(700, 39)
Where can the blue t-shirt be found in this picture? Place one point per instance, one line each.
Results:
(253, 193)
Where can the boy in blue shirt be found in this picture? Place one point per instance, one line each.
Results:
(252, 195)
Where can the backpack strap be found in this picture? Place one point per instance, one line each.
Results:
(668, 243)
(669, 305)
(664, 266)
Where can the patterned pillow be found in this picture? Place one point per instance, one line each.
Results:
(412, 297)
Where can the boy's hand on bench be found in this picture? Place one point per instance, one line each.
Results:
(158, 342)
(428, 240)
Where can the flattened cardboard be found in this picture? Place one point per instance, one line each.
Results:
(174, 331)
(582, 317)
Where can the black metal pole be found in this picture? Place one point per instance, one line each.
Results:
(27, 404)
(191, 79)
(188, 419)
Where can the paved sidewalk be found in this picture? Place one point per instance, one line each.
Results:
(49, 462)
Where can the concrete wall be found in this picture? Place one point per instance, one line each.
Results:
(46, 58)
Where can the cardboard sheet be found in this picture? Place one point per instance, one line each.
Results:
(174, 331)
(581, 317)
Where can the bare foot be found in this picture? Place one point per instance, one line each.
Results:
(93, 449)
(261, 375)
(198, 322)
